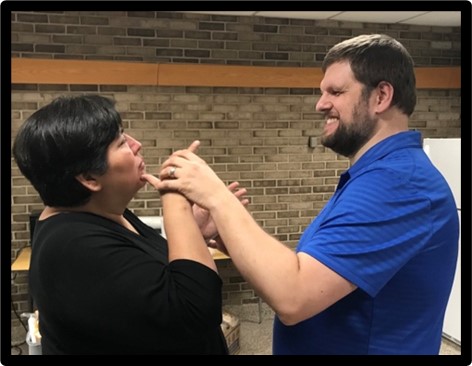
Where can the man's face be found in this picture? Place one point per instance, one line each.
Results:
(349, 123)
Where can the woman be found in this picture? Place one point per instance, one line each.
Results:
(102, 280)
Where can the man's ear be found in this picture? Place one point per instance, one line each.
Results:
(89, 182)
(384, 96)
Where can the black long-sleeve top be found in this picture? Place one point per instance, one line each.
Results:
(102, 289)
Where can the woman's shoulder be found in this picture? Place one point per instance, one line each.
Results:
(69, 222)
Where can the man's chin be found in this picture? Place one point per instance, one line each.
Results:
(326, 141)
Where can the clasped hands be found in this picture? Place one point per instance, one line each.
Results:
(188, 174)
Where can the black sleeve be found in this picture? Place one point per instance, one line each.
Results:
(196, 292)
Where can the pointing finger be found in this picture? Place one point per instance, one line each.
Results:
(151, 179)
(194, 146)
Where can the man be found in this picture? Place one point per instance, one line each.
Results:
(373, 272)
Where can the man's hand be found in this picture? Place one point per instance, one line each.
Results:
(202, 216)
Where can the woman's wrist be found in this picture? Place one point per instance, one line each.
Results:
(176, 200)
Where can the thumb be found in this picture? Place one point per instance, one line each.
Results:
(194, 146)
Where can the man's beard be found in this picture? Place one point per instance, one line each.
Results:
(350, 137)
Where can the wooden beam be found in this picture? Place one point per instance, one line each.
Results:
(241, 76)
(38, 71)
(438, 77)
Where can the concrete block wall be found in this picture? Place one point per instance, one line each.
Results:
(257, 136)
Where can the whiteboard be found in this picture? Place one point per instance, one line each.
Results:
(445, 154)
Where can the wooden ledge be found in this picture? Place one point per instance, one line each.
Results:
(22, 262)
(39, 71)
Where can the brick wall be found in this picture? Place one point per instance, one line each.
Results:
(215, 39)
(258, 136)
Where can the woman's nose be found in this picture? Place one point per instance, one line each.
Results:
(134, 144)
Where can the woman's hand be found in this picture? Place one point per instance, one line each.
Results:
(217, 243)
(190, 175)
(203, 218)
(154, 181)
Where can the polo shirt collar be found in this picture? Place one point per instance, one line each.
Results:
(401, 140)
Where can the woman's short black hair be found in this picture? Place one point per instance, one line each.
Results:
(68, 137)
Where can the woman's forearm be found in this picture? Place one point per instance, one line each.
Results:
(184, 238)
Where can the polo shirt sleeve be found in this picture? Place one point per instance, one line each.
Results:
(372, 227)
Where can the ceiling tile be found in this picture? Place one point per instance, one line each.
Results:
(298, 14)
(230, 13)
(433, 18)
(376, 16)
(437, 18)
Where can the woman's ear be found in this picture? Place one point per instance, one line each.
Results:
(89, 182)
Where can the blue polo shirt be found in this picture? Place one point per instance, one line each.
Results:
(392, 229)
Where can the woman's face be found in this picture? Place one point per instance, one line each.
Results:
(125, 167)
